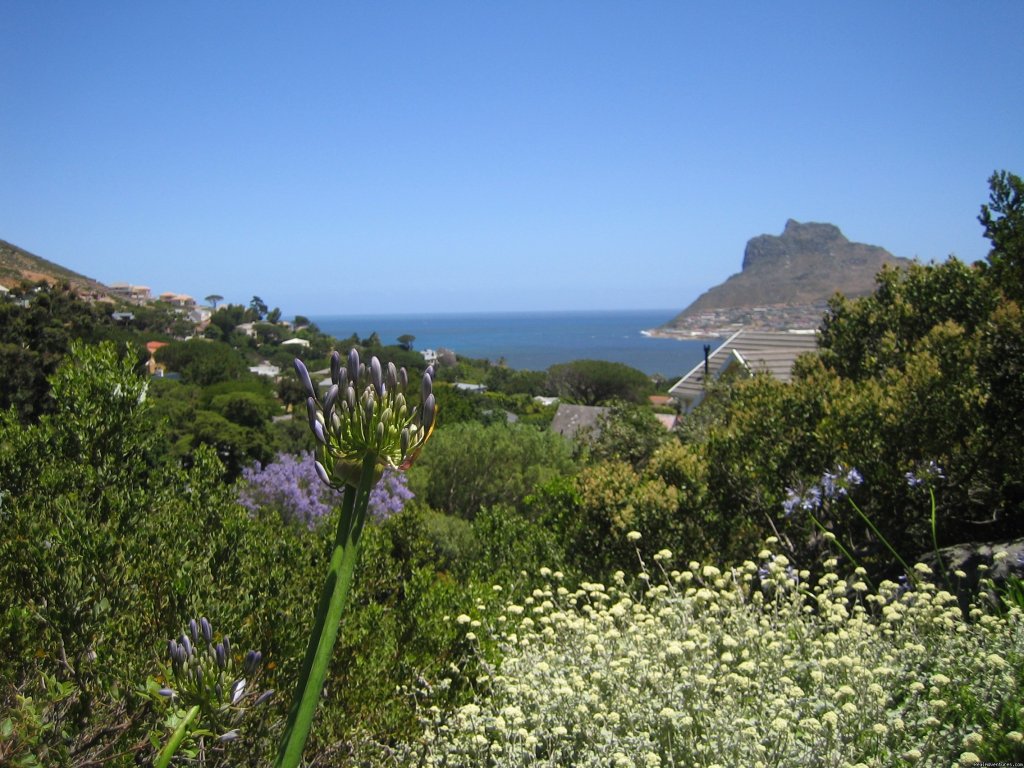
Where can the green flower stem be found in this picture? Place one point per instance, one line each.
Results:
(328, 617)
(909, 571)
(176, 738)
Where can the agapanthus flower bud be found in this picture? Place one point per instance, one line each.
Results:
(392, 380)
(376, 376)
(173, 650)
(329, 400)
(336, 368)
(322, 473)
(428, 411)
(307, 383)
(193, 629)
(252, 661)
(187, 644)
(311, 411)
(227, 646)
(167, 692)
(426, 386)
(221, 655)
(318, 432)
(206, 629)
(264, 697)
(353, 365)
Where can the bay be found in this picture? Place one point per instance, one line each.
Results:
(535, 340)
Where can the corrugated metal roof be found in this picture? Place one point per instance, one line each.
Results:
(773, 352)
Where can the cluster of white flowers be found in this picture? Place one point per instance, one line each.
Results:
(752, 666)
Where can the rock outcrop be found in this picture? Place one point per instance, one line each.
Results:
(788, 277)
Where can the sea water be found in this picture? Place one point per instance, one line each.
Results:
(535, 340)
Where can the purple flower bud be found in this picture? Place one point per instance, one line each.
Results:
(427, 419)
(376, 376)
(311, 411)
(252, 661)
(172, 650)
(392, 380)
(227, 646)
(199, 677)
(167, 692)
(307, 383)
(318, 433)
(187, 645)
(426, 386)
(221, 656)
(353, 365)
(350, 398)
(206, 629)
(322, 473)
(405, 441)
(193, 629)
(329, 399)
(335, 367)
(403, 379)
(368, 408)
(263, 697)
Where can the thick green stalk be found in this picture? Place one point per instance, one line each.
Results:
(328, 618)
(176, 738)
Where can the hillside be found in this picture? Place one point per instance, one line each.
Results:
(786, 280)
(17, 264)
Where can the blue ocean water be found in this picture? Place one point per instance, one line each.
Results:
(535, 340)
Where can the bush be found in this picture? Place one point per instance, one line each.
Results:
(745, 666)
(470, 465)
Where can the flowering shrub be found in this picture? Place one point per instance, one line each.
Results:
(290, 486)
(752, 665)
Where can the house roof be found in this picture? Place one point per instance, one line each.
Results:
(772, 352)
(570, 419)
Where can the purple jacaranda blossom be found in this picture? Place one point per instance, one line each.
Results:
(291, 486)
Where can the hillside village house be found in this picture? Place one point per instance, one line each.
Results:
(771, 352)
(133, 293)
(178, 299)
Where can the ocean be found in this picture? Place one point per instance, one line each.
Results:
(535, 340)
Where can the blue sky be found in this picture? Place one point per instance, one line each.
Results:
(465, 156)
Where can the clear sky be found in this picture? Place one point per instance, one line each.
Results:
(393, 157)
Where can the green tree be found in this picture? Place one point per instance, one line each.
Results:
(213, 299)
(629, 433)
(1003, 220)
(203, 362)
(593, 382)
(226, 318)
(257, 308)
(470, 465)
(405, 341)
(36, 332)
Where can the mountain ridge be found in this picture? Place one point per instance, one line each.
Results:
(786, 281)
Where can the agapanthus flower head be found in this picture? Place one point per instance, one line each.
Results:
(837, 483)
(927, 476)
(365, 414)
(207, 674)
